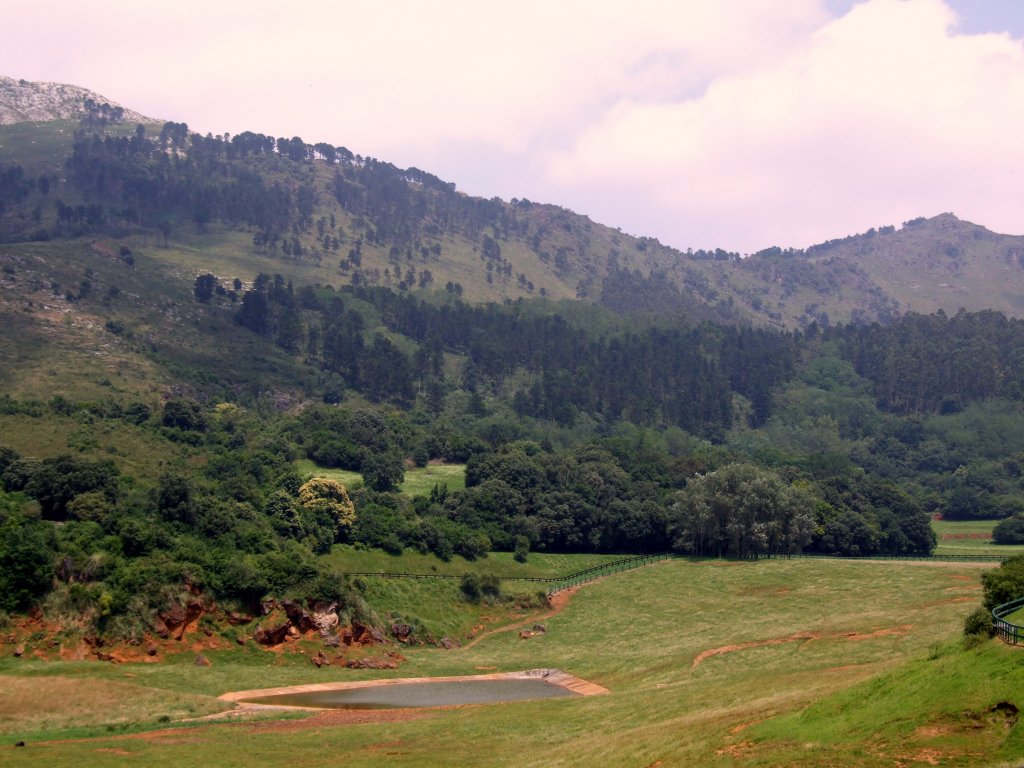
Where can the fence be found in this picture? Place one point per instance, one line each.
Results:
(558, 582)
(1008, 632)
(925, 558)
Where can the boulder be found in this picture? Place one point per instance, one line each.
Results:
(324, 617)
(235, 618)
(320, 660)
(272, 635)
(202, 661)
(402, 632)
(173, 622)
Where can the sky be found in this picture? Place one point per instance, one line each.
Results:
(738, 124)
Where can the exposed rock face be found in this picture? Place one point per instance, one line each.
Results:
(269, 606)
(272, 635)
(22, 101)
(178, 619)
(360, 634)
(298, 616)
(325, 618)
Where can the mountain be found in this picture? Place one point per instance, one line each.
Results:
(317, 213)
(22, 101)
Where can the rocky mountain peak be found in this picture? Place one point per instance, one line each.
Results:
(22, 101)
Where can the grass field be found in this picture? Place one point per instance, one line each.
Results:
(970, 537)
(418, 480)
(708, 663)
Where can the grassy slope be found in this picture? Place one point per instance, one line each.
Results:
(639, 634)
(538, 564)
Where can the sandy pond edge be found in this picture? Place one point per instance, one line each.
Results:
(553, 676)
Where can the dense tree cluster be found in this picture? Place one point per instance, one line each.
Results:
(681, 376)
(142, 180)
(936, 363)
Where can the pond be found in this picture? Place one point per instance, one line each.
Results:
(440, 694)
(422, 691)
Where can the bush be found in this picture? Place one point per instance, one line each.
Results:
(979, 623)
(522, 550)
(1009, 531)
(470, 587)
(475, 587)
(1004, 583)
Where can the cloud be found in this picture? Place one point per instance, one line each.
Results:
(876, 117)
(737, 123)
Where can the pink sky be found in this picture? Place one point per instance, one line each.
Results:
(737, 124)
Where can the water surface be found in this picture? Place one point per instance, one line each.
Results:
(438, 694)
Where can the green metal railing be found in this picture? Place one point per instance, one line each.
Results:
(558, 583)
(1007, 631)
(926, 558)
(598, 571)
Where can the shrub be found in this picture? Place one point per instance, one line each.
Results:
(470, 587)
(979, 622)
(1004, 583)
(1010, 531)
(522, 550)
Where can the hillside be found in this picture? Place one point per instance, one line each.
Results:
(317, 213)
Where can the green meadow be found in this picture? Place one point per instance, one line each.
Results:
(419, 481)
(778, 662)
(970, 537)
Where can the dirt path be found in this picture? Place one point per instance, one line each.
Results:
(800, 637)
(557, 603)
